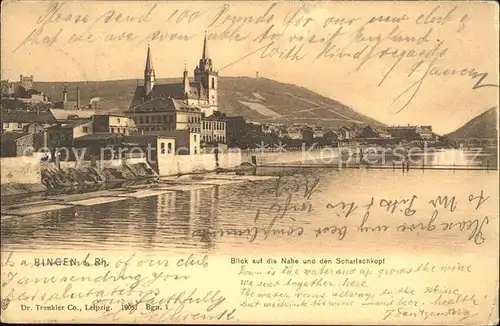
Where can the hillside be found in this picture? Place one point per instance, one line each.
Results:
(258, 99)
(482, 126)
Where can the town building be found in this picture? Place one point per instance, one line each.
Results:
(113, 123)
(63, 134)
(213, 130)
(344, 133)
(317, 131)
(370, 132)
(65, 115)
(19, 121)
(186, 142)
(165, 114)
(16, 144)
(294, 132)
(411, 133)
(103, 146)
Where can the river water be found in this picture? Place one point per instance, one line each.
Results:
(298, 213)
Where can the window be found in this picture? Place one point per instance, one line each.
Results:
(195, 150)
(85, 129)
(147, 119)
(163, 148)
(194, 137)
(169, 148)
(141, 120)
(164, 119)
(213, 83)
(19, 125)
(118, 120)
(112, 130)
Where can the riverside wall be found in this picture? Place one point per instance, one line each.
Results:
(21, 169)
(28, 174)
(185, 164)
(298, 156)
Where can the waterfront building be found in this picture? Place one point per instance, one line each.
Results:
(113, 123)
(106, 145)
(16, 144)
(370, 132)
(186, 142)
(344, 133)
(63, 134)
(213, 130)
(410, 133)
(165, 114)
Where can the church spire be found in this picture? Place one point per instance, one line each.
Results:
(204, 55)
(149, 74)
(205, 61)
(149, 62)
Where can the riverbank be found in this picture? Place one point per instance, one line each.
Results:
(38, 203)
(69, 178)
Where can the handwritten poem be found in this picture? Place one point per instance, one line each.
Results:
(408, 43)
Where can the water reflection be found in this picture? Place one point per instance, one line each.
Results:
(168, 221)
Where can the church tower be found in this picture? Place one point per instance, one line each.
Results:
(207, 76)
(149, 74)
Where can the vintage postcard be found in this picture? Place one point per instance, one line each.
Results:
(250, 162)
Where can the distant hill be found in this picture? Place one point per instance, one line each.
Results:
(482, 126)
(258, 99)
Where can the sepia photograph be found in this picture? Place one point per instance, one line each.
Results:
(250, 162)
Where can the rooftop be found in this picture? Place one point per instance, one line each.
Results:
(164, 104)
(12, 136)
(103, 136)
(44, 117)
(71, 124)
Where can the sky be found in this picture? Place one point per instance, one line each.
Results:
(400, 63)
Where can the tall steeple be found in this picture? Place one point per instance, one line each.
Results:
(205, 47)
(207, 76)
(205, 61)
(149, 74)
(186, 86)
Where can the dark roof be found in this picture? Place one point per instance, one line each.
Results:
(66, 114)
(164, 104)
(214, 118)
(12, 136)
(173, 90)
(99, 136)
(44, 117)
(70, 124)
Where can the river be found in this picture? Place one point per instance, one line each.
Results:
(238, 217)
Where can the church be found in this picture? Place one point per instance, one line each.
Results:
(188, 105)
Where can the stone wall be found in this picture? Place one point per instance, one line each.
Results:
(325, 155)
(184, 164)
(21, 169)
